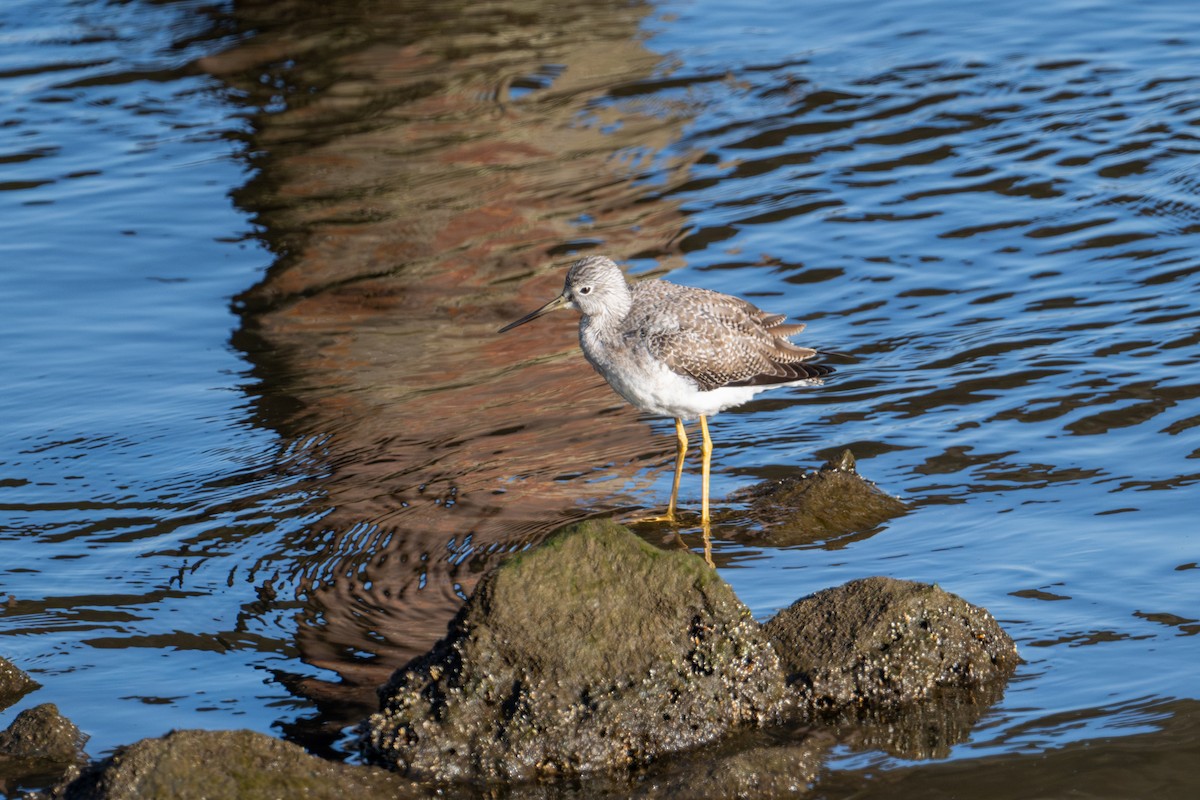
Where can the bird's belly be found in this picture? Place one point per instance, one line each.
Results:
(654, 389)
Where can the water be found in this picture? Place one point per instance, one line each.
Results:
(280, 498)
(132, 474)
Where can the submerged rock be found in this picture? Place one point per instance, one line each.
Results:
(829, 502)
(14, 684)
(880, 644)
(762, 767)
(228, 764)
(593, 651)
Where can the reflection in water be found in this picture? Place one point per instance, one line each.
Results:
(134, 495)
(1120, 766)
(411, 195)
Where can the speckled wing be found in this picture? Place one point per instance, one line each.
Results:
(716, 339)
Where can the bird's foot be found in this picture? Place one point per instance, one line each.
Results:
(668, 518)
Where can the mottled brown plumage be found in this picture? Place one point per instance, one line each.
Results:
(717, 339)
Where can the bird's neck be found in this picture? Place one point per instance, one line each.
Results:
(616, 309)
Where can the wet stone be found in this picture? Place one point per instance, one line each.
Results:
(41, 732)
(594, 651)
(764, 769)
(879, 644)
(191, 764)
(14, 683)
(830, 502)
(38, 748)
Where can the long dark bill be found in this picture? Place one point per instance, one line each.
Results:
(559, 302)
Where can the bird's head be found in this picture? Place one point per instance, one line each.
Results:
(595, 286)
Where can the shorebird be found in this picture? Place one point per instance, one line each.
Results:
(680, 351)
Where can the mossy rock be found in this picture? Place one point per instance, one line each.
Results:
(594, 651)
(200, 765)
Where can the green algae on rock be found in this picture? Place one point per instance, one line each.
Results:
(200, 765)
(596, 654)
(593, 651)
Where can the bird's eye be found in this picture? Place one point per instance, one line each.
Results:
(585, 290)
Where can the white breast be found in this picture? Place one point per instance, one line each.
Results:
(649, 386)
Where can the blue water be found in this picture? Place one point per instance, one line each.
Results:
(128, 455)
(994, 210)
(998, 211)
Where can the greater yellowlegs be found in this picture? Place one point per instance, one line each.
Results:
(679, 351)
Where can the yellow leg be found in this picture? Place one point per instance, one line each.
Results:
(681, 441)
(706, 454)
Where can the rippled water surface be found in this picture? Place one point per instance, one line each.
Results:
(259, 438)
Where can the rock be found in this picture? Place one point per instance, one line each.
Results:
(14, 684)
(41, 732)
(38, 748)
(880, 643)
(757, 767)
(228, 764)
(830, 502)
(593, 651)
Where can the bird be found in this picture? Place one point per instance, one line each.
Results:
(680, 351)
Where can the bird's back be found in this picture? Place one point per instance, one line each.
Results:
(717, 339)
